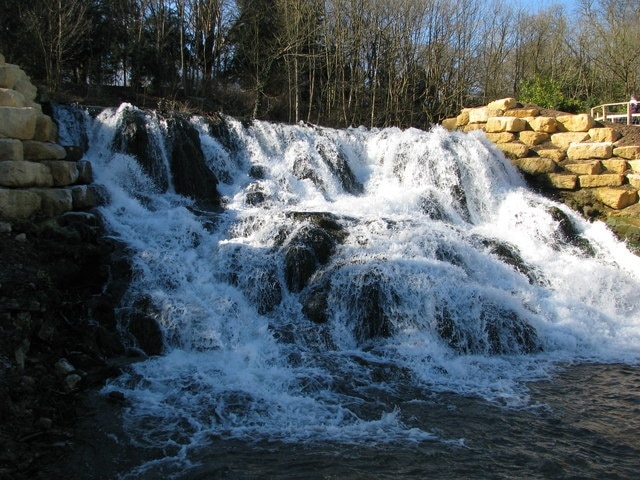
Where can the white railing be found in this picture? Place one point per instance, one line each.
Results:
(615, 112)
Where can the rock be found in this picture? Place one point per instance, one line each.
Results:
(24, 174)
(17, 123)
(593, 167)
(18, 204)
(11, 149)
(63, 367)
(11, 98)
(450, 124)
(576, 123)
(522, 112)
(631, 152)
(501, 137)
(615, 166)
(85, 197)
(55, 201)
(482, 114)
(533, 138)
(514, 150)
(564, 139)
(562, 181)
(603, 180)
(26, 88)
(63, 173)
(72, 382)
(46, 129)
(617, 198)
(35, 150)
(535, 165)
(463, 118)
(604, 134)
(584, 151)
(503, 104)
(505, 124)
(74, 153)
(555, 154)
(634, 180)
(10, 75)
(543, 124)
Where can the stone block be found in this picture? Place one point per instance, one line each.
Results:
(501, 137)
(36, 150)
(543, 124)
(615, 165)
(564, 139)
(630, 152)
(634, 180)
(634, 165)
(85, 172)
(576, 123)
(88, 196)
(505, 124)
(603, 180)
(10, 75)
(533, 138)
(55, 201)
(17, 123)
(482, 114)
(46, 129)
(11, 149)
(514, 150)
(604, 134)
(64, 173)
(11, 98)
(18, 204)
(24, 174)
(26, 88)
(522, 112)
(617, 198)
(554, 153)
(593, 167)
(535, 165)
(463, 118)
(562, 181)
(503, 104)
(470, 127)
(584, 151)
(450, 124)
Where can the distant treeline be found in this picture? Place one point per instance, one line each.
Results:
(333, 62)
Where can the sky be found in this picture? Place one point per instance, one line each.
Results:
(538, 5)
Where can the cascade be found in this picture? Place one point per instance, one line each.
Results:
(300, 279)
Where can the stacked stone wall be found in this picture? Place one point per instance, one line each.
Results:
(565, 153)
(37, 177)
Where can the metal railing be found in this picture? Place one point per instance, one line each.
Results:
(616, 112)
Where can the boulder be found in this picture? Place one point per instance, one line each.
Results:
(604, 134)
(11, 98)
(513, 149)
(615, 165)
(630, 152)
(10, 75)
(88, 196)
(617, 198)
(501, 137)
(473, 126)
(604, 180)
(503, 104)
(535, 165)
(26, 88)
(554, 153)
(505, 124)
(18, 204)
(576, 123)
(55, 201)
(24, 174)
(522, 112)
(64, 173)
(36, 150)
(584, 151)
(85, 172)
(533, 138)
(593, 167)
(17, 123)
(634, 180)
(543, 124)
(463, 118)
(562, 181)
(450, 124)
(482, 114)
(46, 129)
(564, 139)
(11, 149)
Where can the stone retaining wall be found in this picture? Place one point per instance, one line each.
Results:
(567, 152)
(38, 179)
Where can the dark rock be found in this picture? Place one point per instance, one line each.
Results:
(568, 233)
(315, 302)
(144, 327)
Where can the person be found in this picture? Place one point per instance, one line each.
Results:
(634, 106)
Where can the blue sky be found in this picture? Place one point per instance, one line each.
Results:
(537, 5)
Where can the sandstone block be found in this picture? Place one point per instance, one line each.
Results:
(63, 173)
(533, 138)
(55, 201)
(36, 150)
(473, 126)
(88, 196)
(535, 165)
(74, 153)
(634, 180)
(583, 151)
(26, 88)
(603, 180)
(513, 149)
(593, 167)
(10, 75)
(615, 165)
(501, 137)
(576, 123)
(85, 172)
(17, 123)
(463, 118)
(482, 114)
(617, 198)
(522, 112)
(18, 204)
(604, 134)
(564, 139)
(11, 149)
(11, 98)
(24, 174)
(503, 104)
(631, 152)
(543, 124)
(450, 124)
(46, 129)
(554, 153)
(634, 165)
(505, 124)
(562, 181)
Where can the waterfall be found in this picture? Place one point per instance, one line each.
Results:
(305, 278)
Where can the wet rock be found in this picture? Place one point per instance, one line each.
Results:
(568, 233)
(144, 326)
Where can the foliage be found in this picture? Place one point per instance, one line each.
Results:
(548, 93)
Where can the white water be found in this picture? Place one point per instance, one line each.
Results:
(231, 372)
